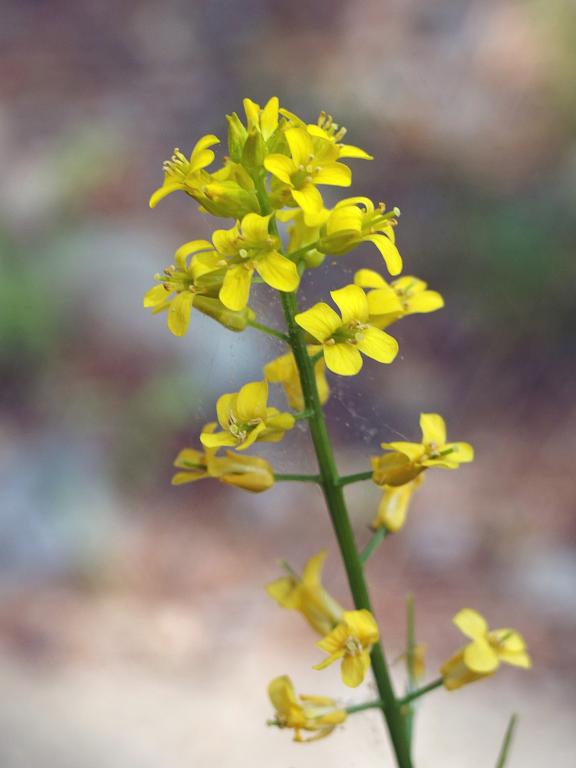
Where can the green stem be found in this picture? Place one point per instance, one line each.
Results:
(302, 251)
(410, 651)
(363, 707)
(297, 478)
(357, 478)
(270, 331)
(503, 756)
(334, 496)
(373, 544)
(302, 415)
(421, 691)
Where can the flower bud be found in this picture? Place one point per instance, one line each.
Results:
(236, 137)
(234, 321)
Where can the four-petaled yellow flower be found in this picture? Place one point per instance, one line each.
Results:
(317, 714)
(406, 296)
(313, 161)
(283, 370)
(248, 247)
(344, 337)
(307, 595)
(246, 418)
(356, 220)
(326, 128)
(482, 657)
(181, 285)
(248, 472)
(394, 505)
(408, 460)
(351, 641)
(183, 173)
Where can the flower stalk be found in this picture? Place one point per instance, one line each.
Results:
(334, 497)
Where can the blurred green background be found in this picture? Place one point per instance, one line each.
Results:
(133, 624)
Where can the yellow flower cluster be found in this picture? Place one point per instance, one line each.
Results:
(270, 185)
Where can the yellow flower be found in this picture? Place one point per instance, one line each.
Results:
(351, 641)
(248, 472)
(183, 173)
(246, 418)
(312, 161)
(344, 338)
(408, 460)
(394, 505)
(181, 284)
(248, 247)
(482, 657)
(307, 595)
(406, 296)
(283, 370)
(317, 714)
(326, 128)
(355, 220)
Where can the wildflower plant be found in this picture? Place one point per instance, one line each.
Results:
(271, 186)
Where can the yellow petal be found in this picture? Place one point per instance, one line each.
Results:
(156, 296)
(235, 290)
(252, 437)
(225, 406)
(461, 452)
(393, 507)
(278, 271)
(343, 359)
(345, 219)
(352, 303)
(309, 199)
(369, 278)
(180, 478)
(280, 166)
(377, 344)
(427, 301)
(354, 669)
(389, 252)
(162, 192)
(251, 402)
(255, 227)
(362, 625)
(282, 695)
(471, 623)
(433, 429)
(320, 321)
(269, 118)
(412, 450)
(335, 174)
(480, 657)
(384, 301)
(515, 658)
(217, 440)
(189, 458)
(335, 641)
(179, 313)
(312, 574)
(348, 150)
(286, 592)
(508, 639)
(300, 143)
(194, 246)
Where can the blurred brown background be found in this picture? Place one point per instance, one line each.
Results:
(134, 629)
